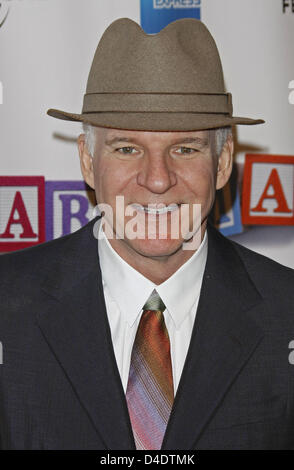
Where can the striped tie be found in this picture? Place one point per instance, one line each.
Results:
(150, 391)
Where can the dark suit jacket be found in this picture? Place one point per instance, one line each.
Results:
(59, 383)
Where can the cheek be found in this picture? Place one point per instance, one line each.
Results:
(110, 179)
(201, 180)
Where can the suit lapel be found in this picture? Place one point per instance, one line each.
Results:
(74, 323)
(224, 337)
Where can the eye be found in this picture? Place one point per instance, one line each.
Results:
(126, 150)
(186, 150)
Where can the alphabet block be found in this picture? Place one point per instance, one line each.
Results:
(226, 211)
(22, 212)
(69, 206)
(268, 190)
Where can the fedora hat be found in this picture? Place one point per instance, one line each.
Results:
(170, 81)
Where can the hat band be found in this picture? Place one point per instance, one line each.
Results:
(206, 103)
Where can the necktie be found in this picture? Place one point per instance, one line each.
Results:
(150, 392)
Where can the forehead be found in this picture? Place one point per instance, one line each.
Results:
(151, 137)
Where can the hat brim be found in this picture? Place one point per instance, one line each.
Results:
(157, 121)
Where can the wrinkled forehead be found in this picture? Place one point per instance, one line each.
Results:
(165, 137)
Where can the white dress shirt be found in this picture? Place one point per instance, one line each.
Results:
(126, 290)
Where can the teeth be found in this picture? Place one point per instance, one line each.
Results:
(156, 211)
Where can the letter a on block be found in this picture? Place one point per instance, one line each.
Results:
(268, 190)
(278, 195)
(22, 219)
(22, 215)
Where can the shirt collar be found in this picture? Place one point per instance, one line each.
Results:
(180, 291)
(130, 289)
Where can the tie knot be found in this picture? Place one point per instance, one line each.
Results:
(154, 302)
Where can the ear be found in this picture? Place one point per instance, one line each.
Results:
(86, 161)
(225, 163)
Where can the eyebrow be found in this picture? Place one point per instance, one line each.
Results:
(188, 140)
(116, 140)
(193, 140)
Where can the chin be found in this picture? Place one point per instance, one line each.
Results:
(155, 248)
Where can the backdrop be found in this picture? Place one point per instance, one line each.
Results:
(46, 49)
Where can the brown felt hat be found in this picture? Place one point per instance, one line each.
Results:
(170, 81)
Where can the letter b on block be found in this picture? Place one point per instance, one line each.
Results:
(69, 206)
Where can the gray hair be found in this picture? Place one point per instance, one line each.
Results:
(90, 138)
(218, 138)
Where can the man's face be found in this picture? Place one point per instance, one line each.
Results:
(158, 168)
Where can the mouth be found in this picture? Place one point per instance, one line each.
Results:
(156, 209)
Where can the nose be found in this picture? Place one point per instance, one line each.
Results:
(155, 174)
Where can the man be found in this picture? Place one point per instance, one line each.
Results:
(148, 340)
